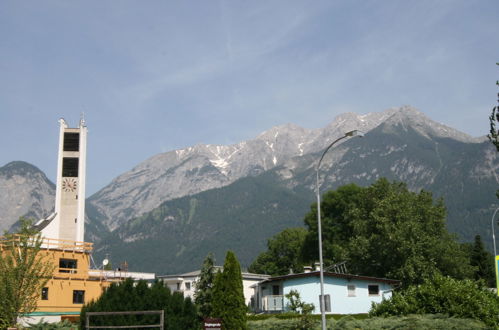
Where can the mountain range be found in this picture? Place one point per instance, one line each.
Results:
(168, 212)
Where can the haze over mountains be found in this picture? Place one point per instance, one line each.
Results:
(169, 211)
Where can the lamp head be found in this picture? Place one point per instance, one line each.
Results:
(355, 133)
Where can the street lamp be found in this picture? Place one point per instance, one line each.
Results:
(493, 232)
(319, 230)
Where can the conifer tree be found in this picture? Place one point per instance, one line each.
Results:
(228, 296)
(494, 120)
(203, 295)
(483, 262)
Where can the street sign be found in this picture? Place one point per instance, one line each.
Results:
(212, 324)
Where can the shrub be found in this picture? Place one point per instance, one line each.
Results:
(444, 295)
(296, 305)
(356, 322)
(180, 313)
(408, 322)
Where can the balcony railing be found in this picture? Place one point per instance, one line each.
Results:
(68, 270)
(66, 245)
(48, 244)
(273, 303)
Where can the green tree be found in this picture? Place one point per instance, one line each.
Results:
(24, 271)
(385, 230)
(483, 261)
(228, 296)
(180, 312)
(494, 121)
(283, 254)
(443, 295)
(296, 305)
(203, 296)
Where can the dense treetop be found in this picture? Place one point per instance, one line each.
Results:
(383, 230)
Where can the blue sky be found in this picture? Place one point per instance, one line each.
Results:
(153, 76)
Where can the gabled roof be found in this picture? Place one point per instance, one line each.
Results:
(335, 275)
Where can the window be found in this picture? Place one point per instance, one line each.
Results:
(327, 302)
(351, 290)
(78, 297)
(373, 289)
(70, 167)
(178, 286)
(275, 290)
(71, 141)
(68, 265)
(187, 285)
(45, 293)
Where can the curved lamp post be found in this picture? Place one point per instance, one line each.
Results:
(493, 232)
(319, 229)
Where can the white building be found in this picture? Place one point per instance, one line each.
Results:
(186, 283)
(68, 220)
(343, 293)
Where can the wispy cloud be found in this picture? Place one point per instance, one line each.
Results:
(226, 70)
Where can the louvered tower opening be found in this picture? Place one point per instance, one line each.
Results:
(71, 141)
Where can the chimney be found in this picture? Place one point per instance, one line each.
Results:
(307, 269)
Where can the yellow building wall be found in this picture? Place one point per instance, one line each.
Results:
(65, 281)
(66, 277)
(60, 294)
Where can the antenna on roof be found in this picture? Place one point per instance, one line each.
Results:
(82, 119)
(339, 268)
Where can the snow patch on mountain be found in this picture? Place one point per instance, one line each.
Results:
(194, 169)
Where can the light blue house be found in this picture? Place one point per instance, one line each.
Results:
(343, 293)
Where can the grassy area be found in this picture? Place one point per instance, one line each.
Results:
(359, 322)
(334, 322)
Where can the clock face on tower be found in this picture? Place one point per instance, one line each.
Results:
(69, 184)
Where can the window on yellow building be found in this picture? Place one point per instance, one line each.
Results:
(68, 265)
(78, 296)
(45, 293)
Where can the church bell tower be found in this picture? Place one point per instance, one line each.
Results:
(69, 220)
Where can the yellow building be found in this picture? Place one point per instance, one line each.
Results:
(72, 282)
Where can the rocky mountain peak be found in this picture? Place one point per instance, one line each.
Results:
(20, 168)
(201, 167)
(24, 191)
(407, 117)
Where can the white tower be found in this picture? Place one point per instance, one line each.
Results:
(69, 220)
